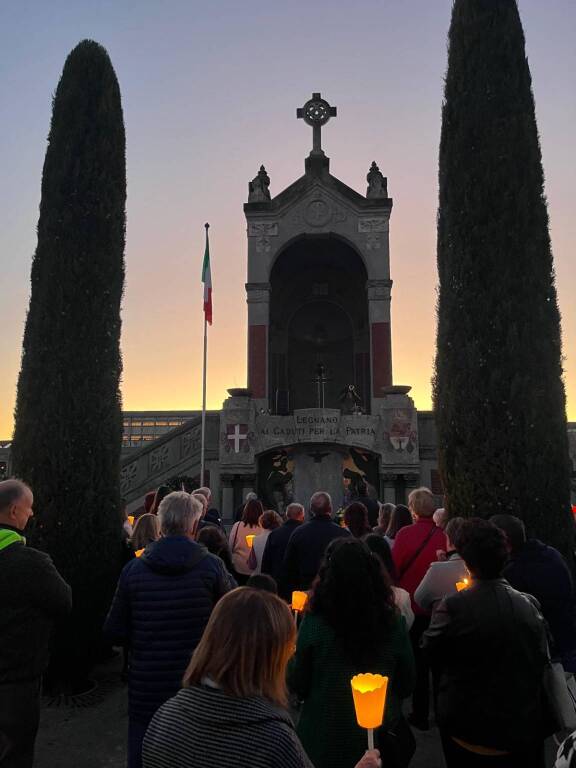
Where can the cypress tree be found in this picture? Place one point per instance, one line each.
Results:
(498, 389)
(68, 429)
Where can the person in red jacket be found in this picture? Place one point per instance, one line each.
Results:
(414, 549)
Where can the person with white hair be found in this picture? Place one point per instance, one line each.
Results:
(162, 604)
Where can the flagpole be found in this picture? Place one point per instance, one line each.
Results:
(203, 438)
(203, 432)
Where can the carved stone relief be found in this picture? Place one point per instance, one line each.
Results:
(159, 458)
(319, 212)
(128, 477)
(263, 231)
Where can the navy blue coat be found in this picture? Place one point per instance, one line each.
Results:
(541, 571)
(162, 604)
(275, 548)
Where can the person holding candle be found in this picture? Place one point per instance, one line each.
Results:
(443, 575)
(489, 645)
(146, 530)
(350, 626)
(269, 521)
(231, 710)
(240, 545)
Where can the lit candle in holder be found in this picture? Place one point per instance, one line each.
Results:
(130, 519)
(299, 600)
(460, 585)
(369, 693)
(250, 539)
(138, 552)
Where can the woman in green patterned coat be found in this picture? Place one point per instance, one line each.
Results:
(351, 626)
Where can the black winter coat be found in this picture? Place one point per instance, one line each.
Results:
(275, 548)
(305, 551)
(162, 604)
(33, 596)
(541, 571)
(490, 647)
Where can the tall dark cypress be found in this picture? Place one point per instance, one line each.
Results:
(499, 394)
(68, 429)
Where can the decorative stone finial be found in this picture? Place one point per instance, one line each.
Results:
(377, 183)
(258, 191)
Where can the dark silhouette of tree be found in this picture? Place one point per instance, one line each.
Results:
(68, 429)
(498, 389)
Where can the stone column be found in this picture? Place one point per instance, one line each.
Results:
(380, 337)
(388, 489)
(258, 298)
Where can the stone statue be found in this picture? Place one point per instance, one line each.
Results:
(258, 191)
(377, 183)
(350, 400)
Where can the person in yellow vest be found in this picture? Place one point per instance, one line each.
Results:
(33, 596)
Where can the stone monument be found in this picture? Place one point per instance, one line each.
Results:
(320, 410)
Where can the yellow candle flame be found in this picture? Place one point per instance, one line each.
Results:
(369, 693)
(130, 519)
(299, 600)
(460, 585)
(138, 552)
(250, 539)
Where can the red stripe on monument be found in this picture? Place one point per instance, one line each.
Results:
(257, 342)
(381, 358)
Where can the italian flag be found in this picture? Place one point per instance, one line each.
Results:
(207, 280)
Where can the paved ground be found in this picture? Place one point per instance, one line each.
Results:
(92, 734)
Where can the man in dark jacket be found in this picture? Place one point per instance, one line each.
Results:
(33, 596)
(162, 604)
(275, 547)
(540, 570)
(489, 644)
(307, 545)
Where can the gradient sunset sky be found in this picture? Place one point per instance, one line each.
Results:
(210, 91)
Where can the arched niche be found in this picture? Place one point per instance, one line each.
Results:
(318, 316)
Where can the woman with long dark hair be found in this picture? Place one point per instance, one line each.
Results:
(400, 518)
(351, 626)
(356, 519)
(381, 549)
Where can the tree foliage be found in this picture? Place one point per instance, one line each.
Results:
(68, 429)
(498, 389)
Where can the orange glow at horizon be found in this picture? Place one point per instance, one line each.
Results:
(200, 120)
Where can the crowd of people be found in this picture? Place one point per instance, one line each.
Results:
(463, 615)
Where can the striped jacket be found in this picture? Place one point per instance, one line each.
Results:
(204, 727)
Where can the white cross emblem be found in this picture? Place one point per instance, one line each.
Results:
(236, 433)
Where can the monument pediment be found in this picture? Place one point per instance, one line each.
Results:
(326, 184)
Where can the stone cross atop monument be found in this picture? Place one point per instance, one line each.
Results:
(316, 112)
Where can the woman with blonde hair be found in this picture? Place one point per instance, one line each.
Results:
(146, 530)
(232, 707)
